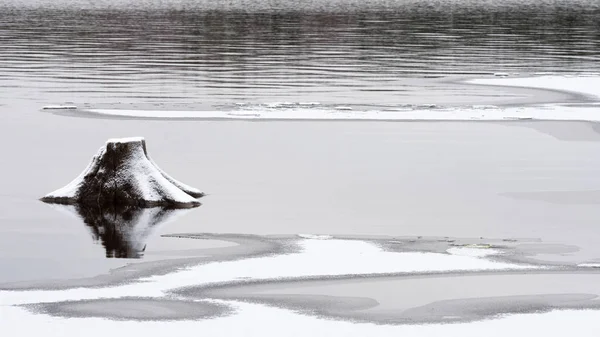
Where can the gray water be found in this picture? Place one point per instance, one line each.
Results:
(216, 53)
(454, 179)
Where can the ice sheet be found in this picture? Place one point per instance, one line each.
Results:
(318, 257)
(584, 85)
(587, 85)
(263, 321)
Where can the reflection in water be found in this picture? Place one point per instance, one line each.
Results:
(123, 231)
(332, 51)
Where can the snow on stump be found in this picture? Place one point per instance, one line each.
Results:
(122, 174)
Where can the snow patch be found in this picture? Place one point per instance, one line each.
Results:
(473, 251)
(587, 85)
(589, 265)
(252, 319)
(125, 140)
(315, 237)
(551, 112)
(332, 257)
(326, 258)
(582, 84)
(59, 107)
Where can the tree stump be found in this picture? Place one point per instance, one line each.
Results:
(122, 174)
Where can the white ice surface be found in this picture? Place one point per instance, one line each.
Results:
(586, 85)
(259, 320)
(318, 257)
(589, 265)
(474, 252)
(59, 107)
(315, 236)
(560, 112)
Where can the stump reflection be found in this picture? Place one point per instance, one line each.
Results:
(123, 230)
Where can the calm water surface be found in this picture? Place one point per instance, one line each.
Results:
(217, 53)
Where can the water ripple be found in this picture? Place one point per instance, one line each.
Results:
(221, 52)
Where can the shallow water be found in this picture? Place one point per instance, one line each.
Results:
(408, 300)
(216, 54)
(461, 179)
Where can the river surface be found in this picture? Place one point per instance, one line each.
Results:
(345, 219)
(211, 54)
(533, 180)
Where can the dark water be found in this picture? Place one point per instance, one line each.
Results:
(337, 51)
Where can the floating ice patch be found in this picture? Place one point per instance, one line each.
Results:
(485, 107)
(260, 320)
(584, 84)
(551, 112)
(589, 265)
(276, 105)
(327, 258)
(473, 251)
(587, 85)
(511, 118)
(318, 258)
(75, 294)
(243, 115)
(315, 237)
(59, 107)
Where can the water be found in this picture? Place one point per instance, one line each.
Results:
(346, 178)
(216, 53)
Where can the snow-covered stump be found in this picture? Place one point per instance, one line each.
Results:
(122, 174)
